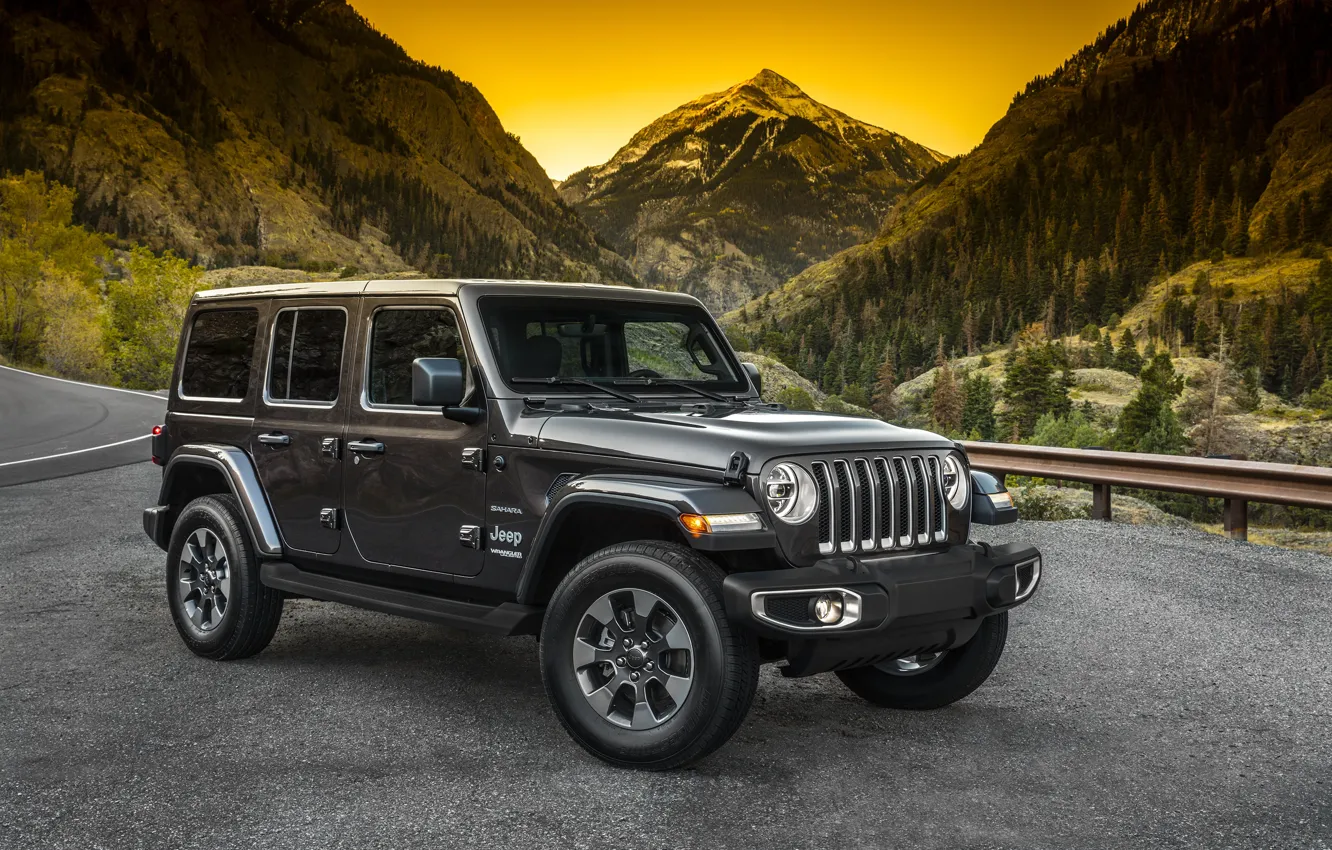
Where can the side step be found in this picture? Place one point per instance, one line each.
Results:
(507, 618)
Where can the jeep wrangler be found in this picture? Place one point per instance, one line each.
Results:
(588, 464)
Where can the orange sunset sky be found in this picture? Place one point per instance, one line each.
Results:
(576, 79)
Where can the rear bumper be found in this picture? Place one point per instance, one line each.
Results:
(894, 606)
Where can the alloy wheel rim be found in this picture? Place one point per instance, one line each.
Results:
(912, 665)
(633, 657)
(204, 587)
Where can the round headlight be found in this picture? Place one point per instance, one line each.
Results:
(790, 493)
(956, 485)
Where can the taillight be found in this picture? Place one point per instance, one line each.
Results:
(159, 445)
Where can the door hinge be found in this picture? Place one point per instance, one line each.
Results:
(474, 459)
(470, 536)
(328, 518)
(735, 470)
(329, 447)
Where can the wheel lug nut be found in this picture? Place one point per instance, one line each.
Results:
(633, 676)
(620, 661)
(650, 665)
(628, 643)
(643, 645)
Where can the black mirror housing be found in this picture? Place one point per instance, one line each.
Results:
(755, 376)
(991, 503)
(438, 382)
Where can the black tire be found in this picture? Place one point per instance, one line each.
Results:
(723, 662)
(957, 674)
(252, 611)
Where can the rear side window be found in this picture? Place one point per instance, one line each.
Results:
(217, 359)
(399, 337)
(307, 355)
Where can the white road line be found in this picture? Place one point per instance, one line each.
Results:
(83, 384)
(76, 451)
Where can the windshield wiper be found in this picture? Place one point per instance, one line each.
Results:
(680, 385)
(578, 382)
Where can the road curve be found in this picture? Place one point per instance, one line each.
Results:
(50, 427)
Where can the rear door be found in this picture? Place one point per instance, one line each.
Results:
(296, 442)
(408, 494)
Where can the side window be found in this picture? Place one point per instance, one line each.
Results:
(306, 361)
(398, 337)
(217, 360)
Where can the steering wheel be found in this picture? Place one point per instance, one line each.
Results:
(644, 373)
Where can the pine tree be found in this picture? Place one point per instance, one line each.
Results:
(1034, 384)
(978, 407)
(1127, 358)
(946, 398)
(1148, 423)
(1105, 352)
(885, 381)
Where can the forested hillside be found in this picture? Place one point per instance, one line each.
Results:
(277, 132)
(730, 194)
(1196, 130)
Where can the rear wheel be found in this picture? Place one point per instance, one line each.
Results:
(217, 602)
(936, 679)
(639, 661)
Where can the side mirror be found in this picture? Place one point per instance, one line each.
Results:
(755, 376)
(991, 503)
(437, 382)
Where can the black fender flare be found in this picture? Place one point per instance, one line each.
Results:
(658, 495)
(238, 471)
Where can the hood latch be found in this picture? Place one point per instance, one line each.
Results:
(736, 468)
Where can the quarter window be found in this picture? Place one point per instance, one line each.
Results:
(307, 355)
(217, 359)
(401, 336)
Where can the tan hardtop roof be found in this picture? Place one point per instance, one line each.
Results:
(416, 287)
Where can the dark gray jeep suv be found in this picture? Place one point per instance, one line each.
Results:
(587, 464)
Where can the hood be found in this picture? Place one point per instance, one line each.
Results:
(708, 439)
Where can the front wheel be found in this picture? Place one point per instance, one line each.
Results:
(639, 661)
(936, 679)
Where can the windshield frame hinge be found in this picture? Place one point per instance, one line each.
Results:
(736, 470)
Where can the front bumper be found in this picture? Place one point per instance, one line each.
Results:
(895, 606)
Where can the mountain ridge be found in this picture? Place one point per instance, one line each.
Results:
(726, 194)
(285, 132)
(1194, 130)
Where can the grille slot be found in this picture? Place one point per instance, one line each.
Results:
(824, 486)
(875, 504)
(846, 506)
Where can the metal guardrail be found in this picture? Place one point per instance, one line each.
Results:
(1237, 481)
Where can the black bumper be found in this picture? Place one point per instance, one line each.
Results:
(901, 605)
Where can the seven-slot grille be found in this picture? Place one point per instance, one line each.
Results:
(870, 504)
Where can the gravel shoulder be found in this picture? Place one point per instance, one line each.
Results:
(1167, 688)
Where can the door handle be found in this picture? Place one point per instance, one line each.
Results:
(275, 439)
(366, 447)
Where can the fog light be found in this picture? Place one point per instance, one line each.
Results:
(828, 608)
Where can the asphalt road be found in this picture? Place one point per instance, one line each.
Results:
(1165, 689)
(51, 427)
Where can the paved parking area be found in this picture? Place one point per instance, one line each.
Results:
(1166, 689)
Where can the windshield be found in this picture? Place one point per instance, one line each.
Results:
(606, 341)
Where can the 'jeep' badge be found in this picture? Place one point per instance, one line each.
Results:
(505, 537)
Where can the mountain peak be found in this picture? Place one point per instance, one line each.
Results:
(772, 83)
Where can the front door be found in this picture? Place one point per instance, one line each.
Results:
(407, 494)
(295, 441)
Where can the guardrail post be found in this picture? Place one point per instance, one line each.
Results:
(1237, 519)
(1101, 502)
